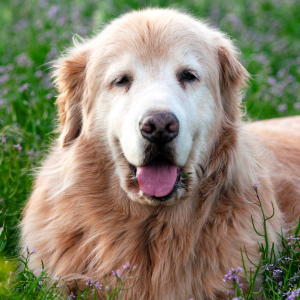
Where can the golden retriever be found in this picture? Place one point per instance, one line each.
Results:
(153, 165)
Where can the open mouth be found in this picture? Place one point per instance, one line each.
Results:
(159, 179)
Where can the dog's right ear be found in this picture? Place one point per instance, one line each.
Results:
(69, 78)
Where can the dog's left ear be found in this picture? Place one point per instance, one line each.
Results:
(69, 74)
(233, 77)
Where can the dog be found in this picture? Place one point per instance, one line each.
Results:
(154, 166)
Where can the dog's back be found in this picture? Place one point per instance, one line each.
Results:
(281, 139)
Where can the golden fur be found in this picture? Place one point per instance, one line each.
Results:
(81, 218)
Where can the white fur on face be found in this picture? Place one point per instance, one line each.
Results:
(156, 88)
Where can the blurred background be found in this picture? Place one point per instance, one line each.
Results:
(34, 32)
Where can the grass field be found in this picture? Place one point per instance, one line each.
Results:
(33, 33)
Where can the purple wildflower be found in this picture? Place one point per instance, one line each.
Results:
(117, 273)
(51, 53)
(38, 74)
(271, 80)
(282, 107)
(49, 96)
(98, 285)
(292, 240)
(53, 11)
(30, 152)
(3, 139)
(127, 265)
(23, 60)
(43, 3)
(277, 273)
(288, 258)
(61, 21)
(18, 147)
(231, 275)
(268, 278)
(24, 87)
(233, 19)
(89, 282)
(295, 277)
(280, 259)
(4, 78)
(47, 82)
(71, 296)
(294, 294)
(255, 186)
(82, 30)
(40, 282)
(296, 105)
(290, 78)
(281, 73)
(22, 24)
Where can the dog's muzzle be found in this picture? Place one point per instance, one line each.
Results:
(158, 176)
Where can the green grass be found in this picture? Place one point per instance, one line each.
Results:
(280, 269)
(32, 33)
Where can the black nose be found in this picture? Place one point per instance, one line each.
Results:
(159, 127)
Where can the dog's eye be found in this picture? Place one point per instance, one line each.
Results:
(124, 80)
(187, 76)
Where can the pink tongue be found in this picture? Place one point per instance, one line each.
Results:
(157, 179)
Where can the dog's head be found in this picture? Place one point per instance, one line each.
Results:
(155, 85)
